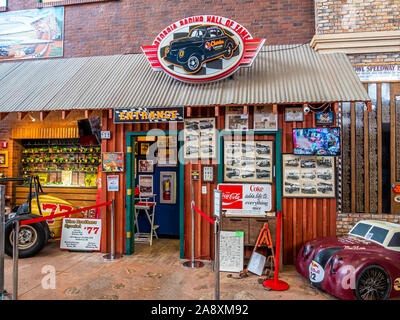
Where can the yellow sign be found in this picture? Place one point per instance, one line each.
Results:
(146, 115)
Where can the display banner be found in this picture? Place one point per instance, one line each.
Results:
(149, 115)
(246, 199)
(378, 72)
(81, 234)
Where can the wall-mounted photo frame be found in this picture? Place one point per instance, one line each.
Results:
(145, 185)
(112, 161)
(3, 159)
(168, 187)
(294, 114)
(265, 119)
(167, 151)
(308, 176)
(145, 166)
(324, 119)
(235, 119)
(248, 161)
(144, 148)
(146, 138)
(200, 141)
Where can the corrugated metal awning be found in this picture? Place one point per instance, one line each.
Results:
(280, 74)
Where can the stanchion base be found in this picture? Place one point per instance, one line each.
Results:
(193, 264)
(108, 257)
(277, 285)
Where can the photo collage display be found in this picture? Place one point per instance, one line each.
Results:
(248, 161)
(308, 176)
(200, 138)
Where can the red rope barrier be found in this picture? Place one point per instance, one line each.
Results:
(67, 213)
(204, 215)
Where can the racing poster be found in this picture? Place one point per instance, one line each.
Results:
(31, 34)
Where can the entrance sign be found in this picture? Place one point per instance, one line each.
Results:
(246, 199)
(202, 48)
(148, 115)
(81, 234)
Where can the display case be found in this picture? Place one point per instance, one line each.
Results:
(61, 162)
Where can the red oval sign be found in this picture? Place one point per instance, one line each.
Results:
(396, 189)
(202, 48)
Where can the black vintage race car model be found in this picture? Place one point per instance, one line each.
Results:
(203, 43)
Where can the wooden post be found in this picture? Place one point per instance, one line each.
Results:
(87, 113)
(336, 107)
(188, 111)
(21, 115)
(275, 108)
(217, 111)
(43, 115)
(64, 114)
(245, 110)
(110, 113)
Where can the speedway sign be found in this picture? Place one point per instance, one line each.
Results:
(202, 48)
(246, 199)
(81, 234)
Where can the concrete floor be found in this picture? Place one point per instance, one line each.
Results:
(154, 273)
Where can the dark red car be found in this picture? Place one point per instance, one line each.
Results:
(363, 265)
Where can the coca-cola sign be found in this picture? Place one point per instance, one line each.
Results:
(254, 199)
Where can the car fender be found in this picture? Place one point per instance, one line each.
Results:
(188, 53)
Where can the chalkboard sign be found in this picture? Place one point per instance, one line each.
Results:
(231, 251)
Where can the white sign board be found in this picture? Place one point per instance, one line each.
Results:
(231, 251)
(246, 199)
(113, 183)
(81, 234)
(378, 72)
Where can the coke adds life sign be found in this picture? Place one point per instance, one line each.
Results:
(252, 199)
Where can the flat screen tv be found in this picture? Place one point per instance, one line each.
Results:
(317, 141)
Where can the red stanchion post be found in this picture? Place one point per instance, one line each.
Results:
(276, 284)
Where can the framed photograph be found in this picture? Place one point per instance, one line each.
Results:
(146, 185)
(144, 148)
(294, 114)
(167, 147)
(308, 176)
(168, 187)
(324, 119)
(248, 161)
(3, 159)
(235, 119)
(112, 161)
(200, 141)
(265, 119)
(145, 166)
(146, 138)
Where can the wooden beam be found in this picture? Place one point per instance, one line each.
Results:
(217, 111)
(43, 115)
(87, 113)
(336, 107)
(188, 111)
(275, 108)
(369, 106)
(3, 115)
(21, 115)
(245, 110)
(110, 113)
(64, 114)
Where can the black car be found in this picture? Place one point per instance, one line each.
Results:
(203, 43)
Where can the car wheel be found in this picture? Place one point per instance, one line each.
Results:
(228, 50)
(31, 238)
(372, 283)
(193, 63)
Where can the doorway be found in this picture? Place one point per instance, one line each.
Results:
(153, 169)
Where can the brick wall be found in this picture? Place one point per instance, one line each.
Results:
(345, 221)
(118, 27)
(375, 58)
(337, 16)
